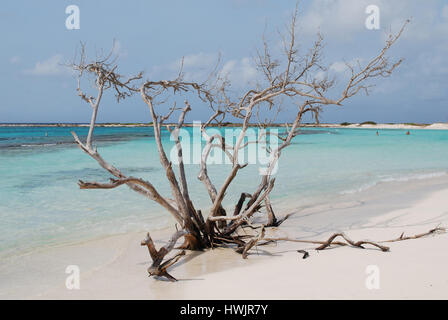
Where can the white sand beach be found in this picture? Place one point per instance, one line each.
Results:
(115, 267)
(433, 126)
(403, 126)
(116, 154)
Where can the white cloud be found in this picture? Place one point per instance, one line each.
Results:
(338, 66)
(53, 66)
(240, 72)
(198, 60)
(14, 59)
(422, 43)
(334, 18)
(197, 67)
(118, 50)
(342, 20)
(341, 66)
(445, 12)
(320, 75)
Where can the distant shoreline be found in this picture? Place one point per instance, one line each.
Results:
(367, 125)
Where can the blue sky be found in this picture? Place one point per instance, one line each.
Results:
(154, 35)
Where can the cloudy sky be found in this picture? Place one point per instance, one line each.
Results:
(154, 36)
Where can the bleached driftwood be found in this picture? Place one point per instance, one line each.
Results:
(290, 77)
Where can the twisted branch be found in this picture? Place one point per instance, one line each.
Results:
(158, 268)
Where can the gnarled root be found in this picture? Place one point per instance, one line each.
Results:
(358, 244)
(402, 237)
(158, 268)
(272, 219)
(243, 249)
(190, 243)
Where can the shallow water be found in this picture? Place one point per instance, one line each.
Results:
(41, 204)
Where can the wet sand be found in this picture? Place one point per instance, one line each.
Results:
(115, 267)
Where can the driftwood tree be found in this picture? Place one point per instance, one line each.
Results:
(292, 77)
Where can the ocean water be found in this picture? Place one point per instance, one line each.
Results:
(41, 204)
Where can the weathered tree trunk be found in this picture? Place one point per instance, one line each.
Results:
(294, 79)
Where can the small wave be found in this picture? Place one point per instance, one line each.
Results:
(28, 142)
(386, 179)
(35, 145)
(39, 145)
(305, 132)
(418, 176)
(360, 189)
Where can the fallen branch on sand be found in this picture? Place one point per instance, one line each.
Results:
(349, 242)
(432, 231)
(158, 268)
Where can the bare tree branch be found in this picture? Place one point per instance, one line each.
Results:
(293, 79)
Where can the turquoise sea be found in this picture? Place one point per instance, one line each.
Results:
(41, 204)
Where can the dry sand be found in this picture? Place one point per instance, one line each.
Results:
(115, 267)
(434, 126)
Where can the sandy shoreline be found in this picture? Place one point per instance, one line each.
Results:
(433, 126)
(115, 267)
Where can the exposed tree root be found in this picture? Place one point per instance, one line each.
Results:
(240, 203)
(190, 243)
(348, 242)
(243, 247)
(358, 244)
(158, 268)
(272, 219)
(432, 231)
